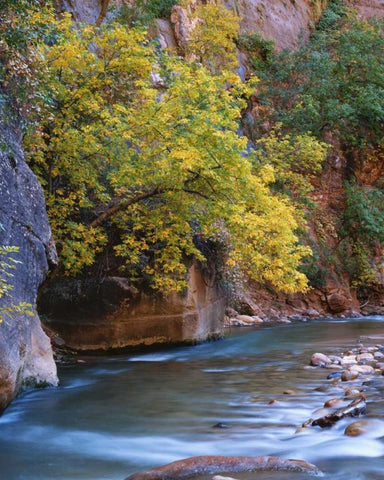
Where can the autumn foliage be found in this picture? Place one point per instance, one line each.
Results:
(131, 139)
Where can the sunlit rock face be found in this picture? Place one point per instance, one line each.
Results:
(286, 22)
(82, 10)
(368, 8)
(25, 351)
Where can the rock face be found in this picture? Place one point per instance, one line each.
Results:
(368, 8)
(92, 314)
(89, 11)
(25, 351)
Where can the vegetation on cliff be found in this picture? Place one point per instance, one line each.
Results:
(125, 135)
(7, 266)
(333, 87)
(140, 151)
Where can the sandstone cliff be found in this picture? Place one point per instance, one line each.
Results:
(286, 22)
(101, 314)
(25, 351)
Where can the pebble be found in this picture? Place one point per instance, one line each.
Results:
(365, 357)
(363, 369)
(351, 392)
(349, 375)
(320, 360)
(334, 375)
(289, 392)
(349, 360)
(333, 402)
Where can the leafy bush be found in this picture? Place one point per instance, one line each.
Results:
(143, 12)
(333, 84)
(7, 264)
(259, 50)
(364, 213)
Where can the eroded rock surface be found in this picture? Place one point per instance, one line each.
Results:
(25, 351)
(94, 314)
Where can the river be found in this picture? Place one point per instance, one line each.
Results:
(114, 416)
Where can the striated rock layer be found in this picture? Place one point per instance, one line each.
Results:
(25, 351)
(103, 314)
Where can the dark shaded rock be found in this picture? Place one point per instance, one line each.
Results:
(354, 409)
(338, 303)
(220, 425)
(213, 464)
(93, 314)
(25, 350)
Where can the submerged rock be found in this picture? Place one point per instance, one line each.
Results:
(354, 409)
(372, 427)
(214, 464)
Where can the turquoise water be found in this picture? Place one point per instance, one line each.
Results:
(114, 416)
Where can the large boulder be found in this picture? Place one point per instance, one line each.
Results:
(100, 314)
(213, 464)
(25, 351)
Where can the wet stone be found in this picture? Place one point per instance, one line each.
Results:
(349, 375)
(362, 369)
(365, 358)
(333, 402)
(320, 360)
(349, 360)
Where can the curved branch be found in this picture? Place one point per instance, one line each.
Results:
(124, 204)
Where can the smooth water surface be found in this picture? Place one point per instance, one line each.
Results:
(111, 417)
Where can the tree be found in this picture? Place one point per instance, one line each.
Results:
(130, 140)
(334, 84)
(212, 40)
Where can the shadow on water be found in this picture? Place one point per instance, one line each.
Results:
(113, 416)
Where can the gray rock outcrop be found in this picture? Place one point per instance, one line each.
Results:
(25, 351)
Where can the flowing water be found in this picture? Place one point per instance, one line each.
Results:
(114, 416)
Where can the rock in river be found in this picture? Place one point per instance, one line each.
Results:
(374, 428)
(320, 360)
(214, 464)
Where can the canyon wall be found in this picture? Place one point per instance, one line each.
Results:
(25, 351)
(93, 314)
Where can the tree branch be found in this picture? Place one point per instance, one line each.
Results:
(124, 204)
